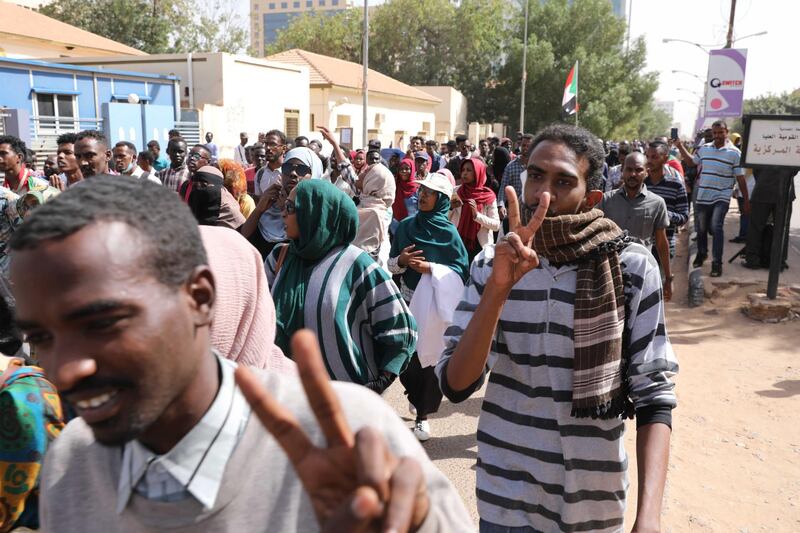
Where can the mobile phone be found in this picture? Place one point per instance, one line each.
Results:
(673, 133)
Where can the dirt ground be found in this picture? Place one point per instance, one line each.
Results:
(735, 449)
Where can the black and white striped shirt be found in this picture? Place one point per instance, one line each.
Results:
(539, 467)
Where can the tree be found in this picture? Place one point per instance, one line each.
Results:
(613, 94)
(337, 35)
(157, 26)
(787, 103)
(437, 43)
(131, 22)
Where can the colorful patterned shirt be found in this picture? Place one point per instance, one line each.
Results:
(32, 419)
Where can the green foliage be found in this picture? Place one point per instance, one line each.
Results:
(614, 94)
(787, 103)
(420, 43)
(157, 26)
(337, 35)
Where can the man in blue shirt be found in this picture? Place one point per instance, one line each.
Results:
(719, 161)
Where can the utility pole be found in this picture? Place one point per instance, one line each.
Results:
(365, 85)
(524, 72)
(630, 16)
(729, 43)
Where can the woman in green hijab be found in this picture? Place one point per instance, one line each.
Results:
(428, 244)
(322, 282)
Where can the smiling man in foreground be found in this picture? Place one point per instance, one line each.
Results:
(114, 291)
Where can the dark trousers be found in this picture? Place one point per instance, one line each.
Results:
(711, 217)
(743, 219)
(422, 388)
(760, 213)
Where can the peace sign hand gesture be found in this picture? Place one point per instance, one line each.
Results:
(355, 483)
(514, 255)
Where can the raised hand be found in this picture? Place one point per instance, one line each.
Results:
(327, 135)
(354, 483)
(56, 182)
(514, 255)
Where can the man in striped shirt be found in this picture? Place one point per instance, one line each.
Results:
(665, 181)
(720, 171)
(177, 173)
(544, 464)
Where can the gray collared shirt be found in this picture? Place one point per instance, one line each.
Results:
(641, 215)
(194, 467)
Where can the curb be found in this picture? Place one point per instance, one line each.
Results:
(696, 288)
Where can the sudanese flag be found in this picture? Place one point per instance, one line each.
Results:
(569, 103)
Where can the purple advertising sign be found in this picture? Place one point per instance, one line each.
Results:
(725, 85)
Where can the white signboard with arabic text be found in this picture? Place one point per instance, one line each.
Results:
(773, 141)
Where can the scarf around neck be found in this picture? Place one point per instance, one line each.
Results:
(434, 234)
(327, 218)
(593, 242)
(468, 227)
(404, 190)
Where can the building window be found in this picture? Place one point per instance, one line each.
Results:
(334, 2)
(322, 2)
(342, 121)
(309, 3)
(291, 123)
(296, 5)
(271, 6)
(55, 113)
(312, 122)
(284, 5)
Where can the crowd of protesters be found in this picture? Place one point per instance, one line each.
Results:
(171, 300)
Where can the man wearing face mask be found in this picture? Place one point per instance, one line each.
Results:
(124, 155)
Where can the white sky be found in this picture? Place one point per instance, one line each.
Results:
(773, 60)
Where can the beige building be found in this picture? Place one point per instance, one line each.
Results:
(228, 94)
(396, 111)
(267, 17)
(27, 34)
(451, 113)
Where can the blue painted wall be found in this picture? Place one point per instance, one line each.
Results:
(16, 92)
(137, 123)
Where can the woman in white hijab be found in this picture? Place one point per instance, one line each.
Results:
(375, 212)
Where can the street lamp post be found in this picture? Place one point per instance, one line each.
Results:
(697, 94)
(365, 86)
(524, 72)
(698, 78)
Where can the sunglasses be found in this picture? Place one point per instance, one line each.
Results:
(290, 208)
(299, 169)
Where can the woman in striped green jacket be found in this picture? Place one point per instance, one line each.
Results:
(321, 282)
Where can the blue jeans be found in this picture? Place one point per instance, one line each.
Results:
(711, 217)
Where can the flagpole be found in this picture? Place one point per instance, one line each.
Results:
(577, 107)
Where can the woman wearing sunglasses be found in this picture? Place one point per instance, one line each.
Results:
(264, 227)
(322, 282)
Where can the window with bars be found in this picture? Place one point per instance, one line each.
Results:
(291, 123)
(55, 112)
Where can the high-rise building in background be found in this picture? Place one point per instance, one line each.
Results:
(620, 8)
(269, 16)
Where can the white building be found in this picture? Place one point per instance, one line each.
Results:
(27, 34)
(451, 113)
(396, 111)
(228, 94)
(667, 106)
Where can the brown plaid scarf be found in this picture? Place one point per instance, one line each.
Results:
(593, 242)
